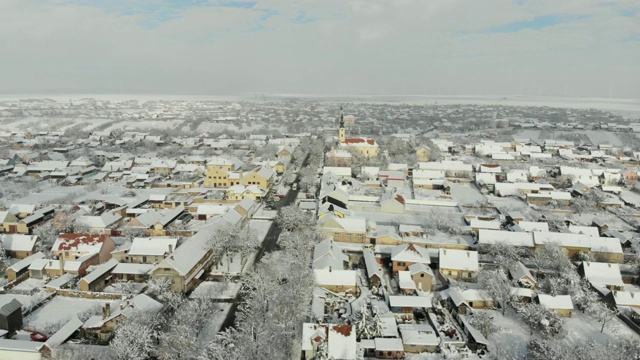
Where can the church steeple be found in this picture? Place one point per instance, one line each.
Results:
(342, 133)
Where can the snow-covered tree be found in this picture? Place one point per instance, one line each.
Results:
(601, 313)
(134, 338)
(497, 286)
(291, 218)
(484, 323)
(366, 326)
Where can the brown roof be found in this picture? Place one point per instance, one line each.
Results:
(345, 330)
(71, 241)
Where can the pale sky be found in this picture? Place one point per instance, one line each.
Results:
(330, 47)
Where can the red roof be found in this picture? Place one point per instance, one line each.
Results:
(400, 199)
(345, 330)
(359, 140)
(71, 241)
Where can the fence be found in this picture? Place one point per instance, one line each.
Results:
(88, 294)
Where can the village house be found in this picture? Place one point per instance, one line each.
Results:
(336, 280)
(422, 276)
(403, 306)
(463, 300)
(149, 250)
(22, 267)
(374, 273)
(99, 278)
(561, 304)
(102, 326)
(402, 256)
(19, 246)
(326, 254)
(458, 264)
(351, 229)
(602, 275)
(262, 176)
(419, 338)
(189, 261)
(72, 246)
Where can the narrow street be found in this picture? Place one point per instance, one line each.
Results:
(268, 245)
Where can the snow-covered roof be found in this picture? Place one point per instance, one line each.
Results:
(64, 333)
(389, 344)
(85, 243)
(512, 238)
(404, 301)
(558, 302)
(342, 342)
(458, 259)
(587, 230)
(19, 242)
(626, 298)
(602, 273)
(326, 255)
(373, 268)
(405, 281)
(484, 224)
(520, 272)
(332, 277)
(418, 334)
(562, 239)
(100, 270)
(133, 269)
(606, 245)
(153, 246)
(24, 263)
(410, 253)
(531, 226)
(103, 221)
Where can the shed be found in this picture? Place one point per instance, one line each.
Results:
(10, 315)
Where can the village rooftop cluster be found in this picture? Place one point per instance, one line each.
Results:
(301, 228)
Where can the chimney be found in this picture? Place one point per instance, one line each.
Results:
(330, 269)
(107, 310)
(468, 254)
(61, 261)
(170, 248)
(632, 294)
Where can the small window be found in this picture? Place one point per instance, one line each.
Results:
(421, 275)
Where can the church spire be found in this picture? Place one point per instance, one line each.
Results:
(341, 118)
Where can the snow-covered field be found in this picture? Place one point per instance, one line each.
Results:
(596, 137)
(466, 194)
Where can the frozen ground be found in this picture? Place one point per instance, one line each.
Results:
(596, 137)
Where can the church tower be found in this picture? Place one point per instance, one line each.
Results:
(342, 133)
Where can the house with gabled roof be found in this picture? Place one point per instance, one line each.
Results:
(327, 254)
(189, 261)
(19, 246)
(261, 176)
(102, 224)
(402, 256)
(348, 229)
(341, 342)
(560, 304)
(102, 326)
(522, 275)
(150, 250)
(459, 264)
(422, 276)
(72, 246)
(602, 275)
(99, 278)
(21, 267)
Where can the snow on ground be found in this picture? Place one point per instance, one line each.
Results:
(30, 284)
(216, 290)
(603, 137)
(61, 309)
(26, 300)
(581, 328)
(213, 324)
(513, 333)
(466, 194)
(144, 124)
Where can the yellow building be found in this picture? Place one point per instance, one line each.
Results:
(366, 147)
(261, 176)
(423, 153)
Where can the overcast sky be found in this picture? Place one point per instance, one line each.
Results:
(432, 47)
